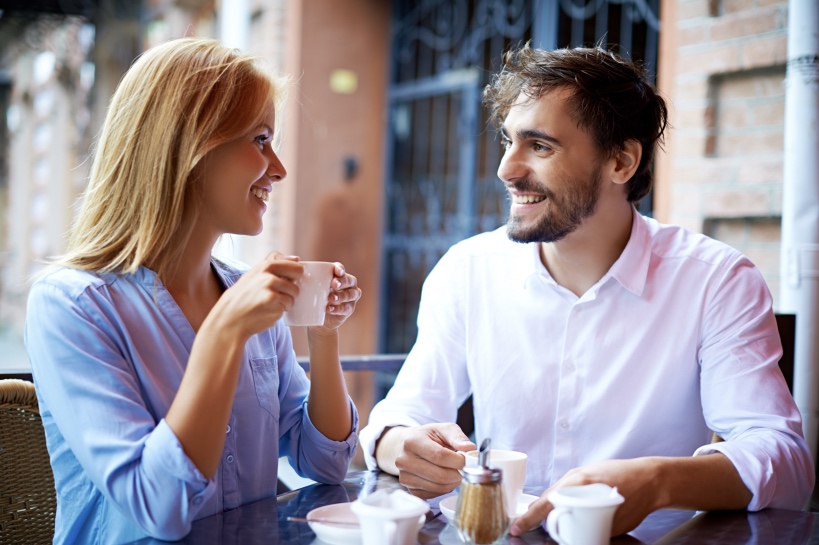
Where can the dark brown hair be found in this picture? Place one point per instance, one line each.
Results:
(612, 99)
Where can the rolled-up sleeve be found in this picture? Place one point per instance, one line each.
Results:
(311, 453)
(744, 395)
(89, 388)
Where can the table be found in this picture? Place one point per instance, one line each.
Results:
(265, 522)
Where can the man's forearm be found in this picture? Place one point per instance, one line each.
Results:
(387, 448)
(702, 483)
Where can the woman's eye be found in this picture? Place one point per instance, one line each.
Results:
(262, 139)
(506, 144)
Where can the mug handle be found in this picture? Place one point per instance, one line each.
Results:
(552, 524)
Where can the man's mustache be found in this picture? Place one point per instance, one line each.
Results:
(527, 185)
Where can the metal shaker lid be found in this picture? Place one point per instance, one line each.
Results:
(482, 475)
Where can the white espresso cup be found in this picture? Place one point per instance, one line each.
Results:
(513, 466)
(390, 517)
(582, 515)
(314, 290)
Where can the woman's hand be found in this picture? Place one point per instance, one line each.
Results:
(260, 297)
(344, 295)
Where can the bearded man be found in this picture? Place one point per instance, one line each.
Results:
(605, 345)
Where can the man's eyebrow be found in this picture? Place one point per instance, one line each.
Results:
(534, 134)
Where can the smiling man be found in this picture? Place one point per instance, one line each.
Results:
(603, 344)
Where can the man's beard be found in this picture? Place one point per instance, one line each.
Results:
(564, 212)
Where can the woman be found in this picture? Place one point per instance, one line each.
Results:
(167, 382)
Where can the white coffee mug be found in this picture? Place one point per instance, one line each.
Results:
(513, 465)
(582, 515)
(390, 517)
(314, 289)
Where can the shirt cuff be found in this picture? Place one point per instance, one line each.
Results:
(319, 439)
(375, 429)
(170, 456)
(753, 470)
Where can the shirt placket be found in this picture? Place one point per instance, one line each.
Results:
(567, 396)
(230, 478)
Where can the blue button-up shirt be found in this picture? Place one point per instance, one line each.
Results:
(108, 353)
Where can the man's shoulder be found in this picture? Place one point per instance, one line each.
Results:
(677, 242)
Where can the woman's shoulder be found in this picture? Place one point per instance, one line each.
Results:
(73, 282)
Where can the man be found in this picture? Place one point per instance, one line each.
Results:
(603, 344)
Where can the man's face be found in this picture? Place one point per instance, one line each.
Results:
(551, 169)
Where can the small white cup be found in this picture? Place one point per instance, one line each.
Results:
(390, 517)
(513, 465)
(314, 289)
(582, 515)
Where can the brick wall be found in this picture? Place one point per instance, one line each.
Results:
(722, 66)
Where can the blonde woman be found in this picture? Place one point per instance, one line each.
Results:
(167, 382)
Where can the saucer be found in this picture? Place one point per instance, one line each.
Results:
(448, 505)
(335, 534)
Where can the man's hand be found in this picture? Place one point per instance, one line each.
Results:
(698, 483)
(636, 480)
(425, 457)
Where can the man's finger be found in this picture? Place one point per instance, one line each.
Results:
(451, 435)
(435, 453)
(537, 513)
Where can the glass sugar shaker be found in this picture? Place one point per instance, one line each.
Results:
(480, 515)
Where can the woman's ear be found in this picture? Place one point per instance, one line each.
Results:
(624, 164)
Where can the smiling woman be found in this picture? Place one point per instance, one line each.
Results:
(167, 382)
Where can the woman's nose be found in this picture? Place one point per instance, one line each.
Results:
(275, 168)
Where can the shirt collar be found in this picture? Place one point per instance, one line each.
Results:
(630, 269)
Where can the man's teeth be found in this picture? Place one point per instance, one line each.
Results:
(527, 199)
(260, 193)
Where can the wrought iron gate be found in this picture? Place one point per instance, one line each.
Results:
(442, 159)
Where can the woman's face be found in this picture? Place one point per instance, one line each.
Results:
(237, 177)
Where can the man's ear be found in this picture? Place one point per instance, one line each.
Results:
(625, 163)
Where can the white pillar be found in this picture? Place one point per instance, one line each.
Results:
(800, 207)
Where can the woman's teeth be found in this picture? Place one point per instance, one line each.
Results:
(260, 193)
(527, 199)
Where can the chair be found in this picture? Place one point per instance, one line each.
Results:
(28, 501)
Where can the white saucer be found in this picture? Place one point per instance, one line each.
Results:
(335, 534)
(448, 505)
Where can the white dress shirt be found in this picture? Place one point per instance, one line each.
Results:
(676, 340)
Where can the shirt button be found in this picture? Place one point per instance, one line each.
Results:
(197, 500)
(570, 367)
(564, 425)
(228, 429)
(229, 458)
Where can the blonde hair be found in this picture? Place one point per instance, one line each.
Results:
(178, 101)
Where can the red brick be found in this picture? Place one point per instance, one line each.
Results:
(760, 172)
(730, 204)
(762, 52)
(711, 61)
(691, 118)
(745, 24)
(766, 259)
(769, 114)
(690, 9)
(733, 116)
(734, 6)
(750, 143)
(690, 89)
(692, 35)
(765, 3)
(690, 143)
(765, 230)
(718, 170)
(729, 231)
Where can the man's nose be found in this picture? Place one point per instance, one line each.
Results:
(510, 166)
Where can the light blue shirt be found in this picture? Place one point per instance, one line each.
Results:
(108, 353)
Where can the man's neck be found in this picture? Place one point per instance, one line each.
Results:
(581, 259)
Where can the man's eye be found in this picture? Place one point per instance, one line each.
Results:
(538, 147)
(506, 144)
